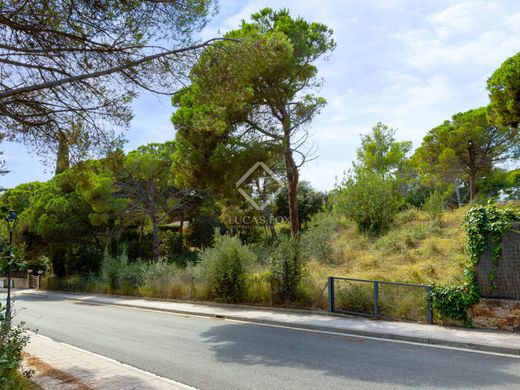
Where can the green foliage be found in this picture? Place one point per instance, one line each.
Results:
(485, 223)
(467, 147)
(434, 206)
(356, 297)
(381, 153)
(287, 262)
(158, 276)
(118, 273)
(453, 301)
(402, 240)
(317, 238)
(201, 231)
(500, 184)
(228, 120)
(369, 200)
(310, 202)
(482, 223)
(13, 339)
(504, 92)
(225, 266)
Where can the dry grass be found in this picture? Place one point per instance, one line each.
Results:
(414, 250)
(43, 370)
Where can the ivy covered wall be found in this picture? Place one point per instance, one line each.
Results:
(506, 283)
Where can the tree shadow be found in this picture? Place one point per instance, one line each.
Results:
(350, 359)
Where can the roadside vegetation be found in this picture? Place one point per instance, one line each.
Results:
(13, 339)
(167, 220)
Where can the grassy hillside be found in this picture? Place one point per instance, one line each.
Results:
(414, 250)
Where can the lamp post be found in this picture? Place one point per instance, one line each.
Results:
(10, 220)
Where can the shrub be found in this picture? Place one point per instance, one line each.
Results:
(201, 229)
(317, 238)
(118, 273)
(355, 297)
(12, 341)
(400, 241)
(408, 215)
(369, 200)
(225, 266)
(158, 276)
(434, 206)
(287, 269)
(453, 301)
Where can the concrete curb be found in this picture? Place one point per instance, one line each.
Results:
(344, 331)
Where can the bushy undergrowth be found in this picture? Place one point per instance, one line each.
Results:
(158, 277)
(369, 200)
(321, 231)
(413, 250)
(287, 262)
(118, 273)
(225, 267)
(13, 339)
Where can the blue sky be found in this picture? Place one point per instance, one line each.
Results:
(410, 64)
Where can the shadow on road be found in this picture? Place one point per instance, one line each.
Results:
(361, 359)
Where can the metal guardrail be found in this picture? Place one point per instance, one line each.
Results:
(376, 284)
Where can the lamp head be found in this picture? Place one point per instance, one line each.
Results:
(11, 219)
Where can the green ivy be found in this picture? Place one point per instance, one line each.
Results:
(482, 223)
(453, 301)
(485, 223)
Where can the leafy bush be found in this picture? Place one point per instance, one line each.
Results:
(225, 266)
(369, 200)
(434, 206)
(454, 301)
(118, 273)
(408, 215)
(12, 341)
(400, 241)
(287, 269)
(356, 297)
(317, 238)
(158, 276)
(201, 229)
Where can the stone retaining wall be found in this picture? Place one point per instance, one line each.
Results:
(496, 314)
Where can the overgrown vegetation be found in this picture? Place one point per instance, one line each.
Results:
(13, 339)
(167, 220)
(484, 225)
(225, 266)
(287, 262)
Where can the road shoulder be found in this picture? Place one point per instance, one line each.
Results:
(62, 366)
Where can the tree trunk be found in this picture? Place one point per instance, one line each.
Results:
(155, 224)
(472, 186)
(141, 233)
(292, 178)
(62, 156)
(268, 214)
(181, 229)
(457, 193)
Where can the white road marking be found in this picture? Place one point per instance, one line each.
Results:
(341, 334)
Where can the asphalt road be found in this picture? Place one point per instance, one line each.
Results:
(216, 354)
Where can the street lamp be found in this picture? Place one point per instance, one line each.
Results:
(10, 220)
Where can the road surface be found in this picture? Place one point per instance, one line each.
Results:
(209, 353)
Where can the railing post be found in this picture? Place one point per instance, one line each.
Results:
(376, 300)
(429, 309)
(330, 284)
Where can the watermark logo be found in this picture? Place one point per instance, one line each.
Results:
(262, 188)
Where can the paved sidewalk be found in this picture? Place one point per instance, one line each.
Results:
(476, 339)
(88, 370)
